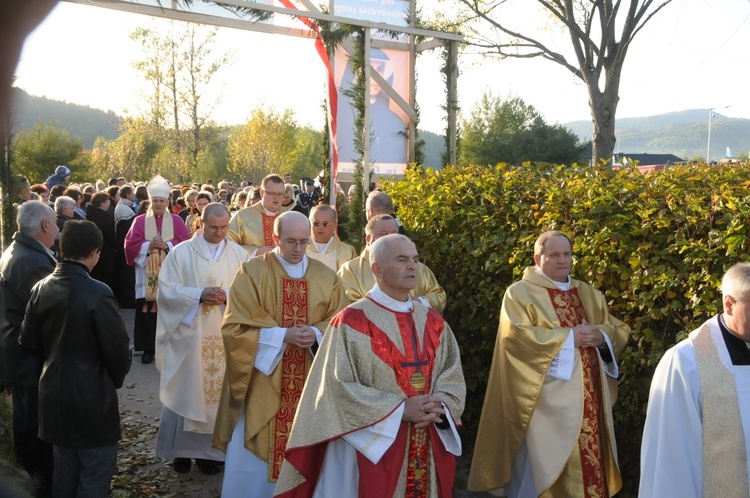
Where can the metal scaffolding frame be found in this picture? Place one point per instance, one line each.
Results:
(210, 15)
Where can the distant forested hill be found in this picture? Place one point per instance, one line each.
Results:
(683, 133)
(82, 121)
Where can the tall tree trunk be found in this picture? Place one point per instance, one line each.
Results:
(603, 111)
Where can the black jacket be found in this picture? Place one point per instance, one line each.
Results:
(73, 324)
(23, 264)
(104, 271)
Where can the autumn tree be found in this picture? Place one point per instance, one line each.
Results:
(512, 131)
(265, 144)
(180, 64)
(39, 150)
(600, 32)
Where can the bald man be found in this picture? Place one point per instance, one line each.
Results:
(384, 395)
(278, 305)
(193, 287)
(325, 245)
(357, 277)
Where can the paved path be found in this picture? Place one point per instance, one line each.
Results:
(141, 473)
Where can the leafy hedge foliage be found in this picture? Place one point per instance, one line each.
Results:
(657, 245)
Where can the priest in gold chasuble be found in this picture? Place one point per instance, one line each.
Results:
(252, 227)
(357, 277)
(278, 305)
(378, 414)
(546, 426)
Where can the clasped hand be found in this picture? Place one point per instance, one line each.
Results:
(302, 336)
(423, 410)
(213, 295)
(157, 243)
(587, 336)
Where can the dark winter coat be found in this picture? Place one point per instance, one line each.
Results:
(72, 322)
(23, 264)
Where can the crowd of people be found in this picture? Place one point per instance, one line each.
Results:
(302, 368)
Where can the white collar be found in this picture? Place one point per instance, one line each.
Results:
(293, 270)
(380, 297)
(213, 251)
(323, 248)
(563, 286)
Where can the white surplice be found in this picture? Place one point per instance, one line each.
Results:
(189, 345)
(672, 449)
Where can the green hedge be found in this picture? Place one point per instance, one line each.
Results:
(657, 245)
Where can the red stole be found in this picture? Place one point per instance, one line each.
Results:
(294, 311)
(268, 229)
(413, 370)
(570, 313)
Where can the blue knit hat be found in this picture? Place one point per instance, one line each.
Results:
(62, 171)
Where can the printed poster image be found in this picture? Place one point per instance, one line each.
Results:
(388, 122)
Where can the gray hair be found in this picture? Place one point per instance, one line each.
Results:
(31, 214)
(543, 238)
(381, 248)
(64, 202)
(379, 203)
(375, 219)
(736, 282)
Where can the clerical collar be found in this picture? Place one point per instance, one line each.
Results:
(323, 248)
(738, 349)
(563, 286)
(269, 213)
(212, 250)
(380, 297)
(293, 270)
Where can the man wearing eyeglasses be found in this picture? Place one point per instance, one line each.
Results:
(279, 303)
(325, 245)
(546, 426)
(252, 227)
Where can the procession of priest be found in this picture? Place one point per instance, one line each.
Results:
(299, 368)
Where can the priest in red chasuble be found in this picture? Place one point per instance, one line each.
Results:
(252, 227)
(546, 426)
(378, 414)
(279, 303)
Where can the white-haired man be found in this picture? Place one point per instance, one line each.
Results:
(279, 304)
(193, 287)
(358, 279)
(150, 238)
(325, 245)
(383, 398)
(25, 262)
(696, 440)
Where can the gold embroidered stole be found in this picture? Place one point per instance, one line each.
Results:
(589, 456)
(294, 311)
(724, 457)
(156, 257)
